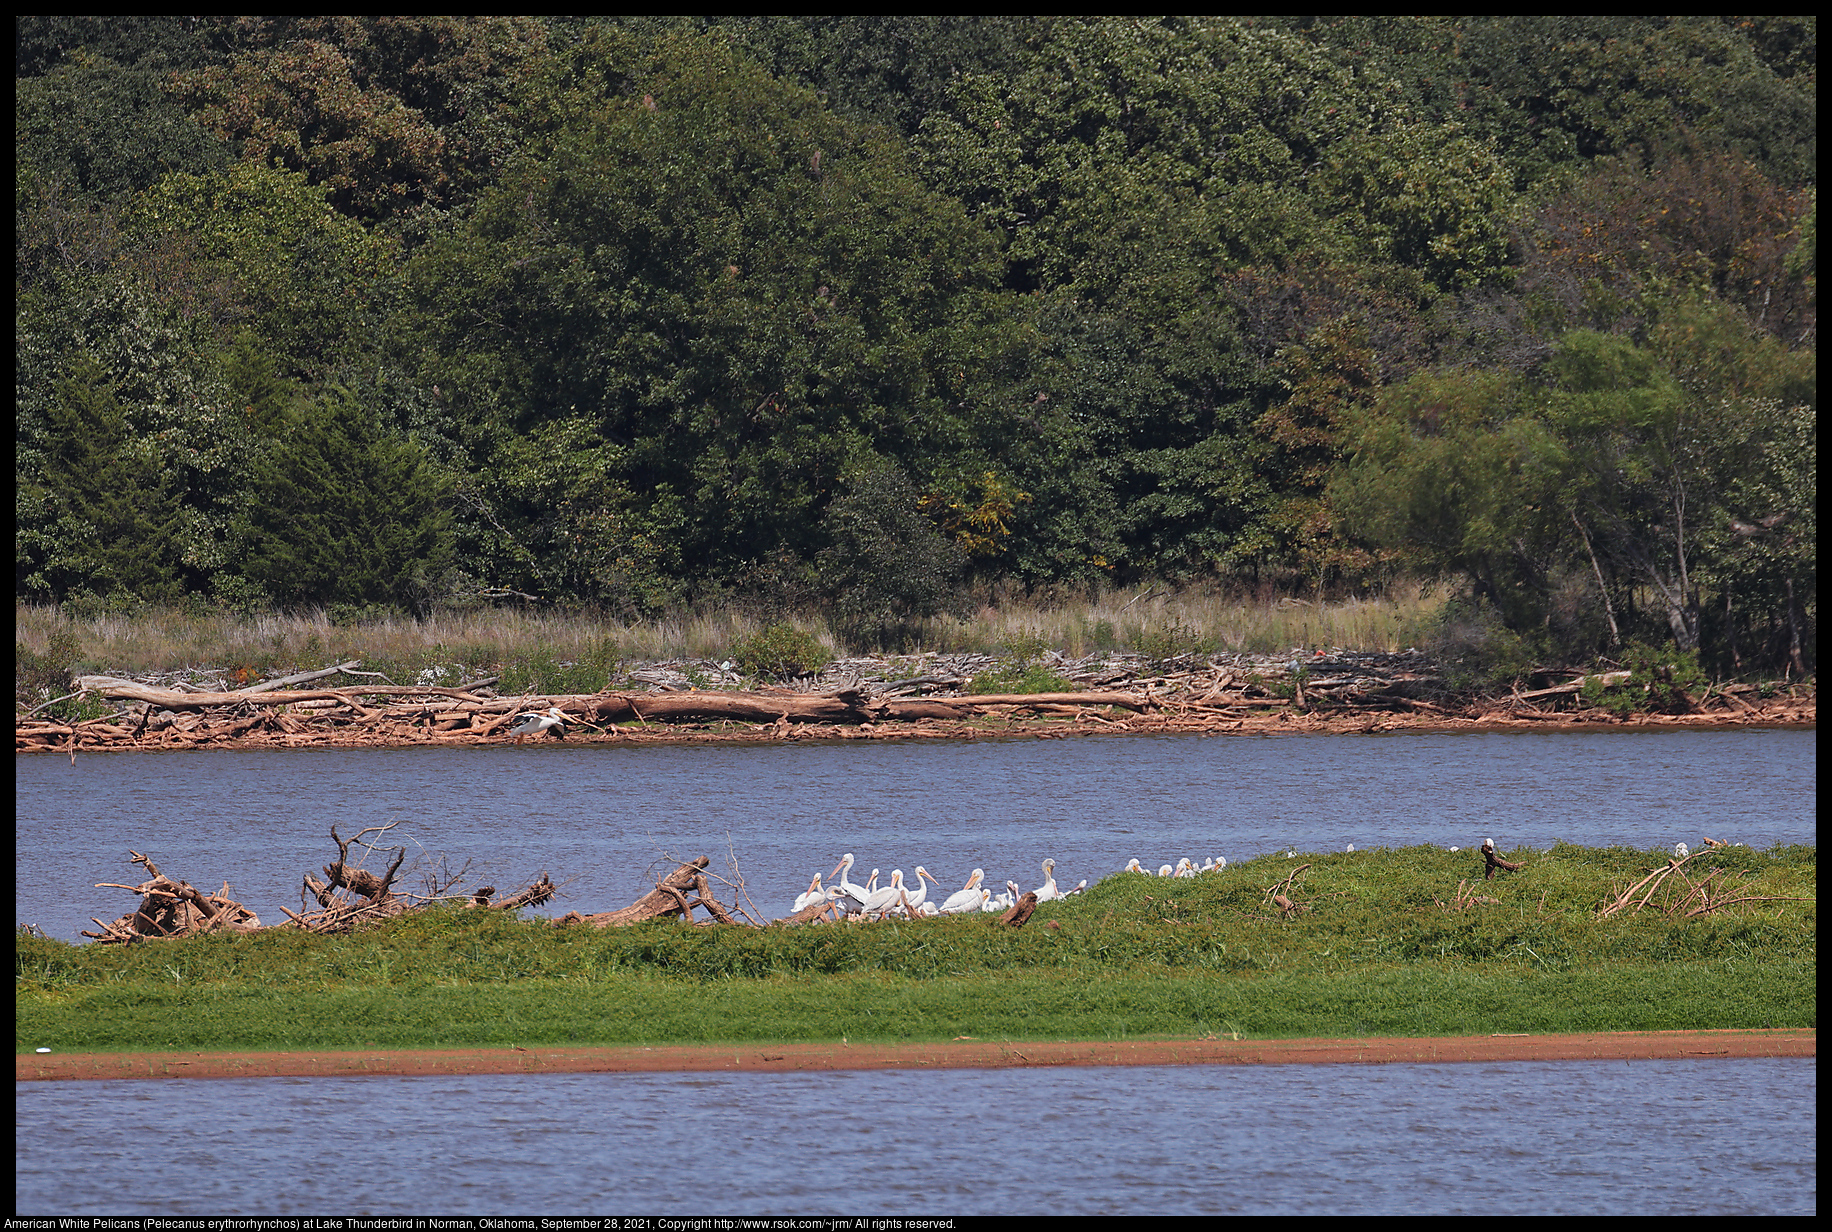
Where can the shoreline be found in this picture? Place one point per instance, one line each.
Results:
(751, 1057)
(1170, 720)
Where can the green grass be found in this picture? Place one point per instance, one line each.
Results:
(1377, 953)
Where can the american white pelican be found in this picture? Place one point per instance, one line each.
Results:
(1221, 862)
(1350, 850)
(1079, 887)
(881, 901)
(537, 722)
(968, 897)
(1681, 851)
(1047, 892)
(1184, 868)
(855, 894)
(912, 899)
(1164, 870)
(1132, 866)
(814, 894)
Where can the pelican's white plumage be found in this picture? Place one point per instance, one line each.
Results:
(813, 895)
(883, 900)
(855, 894)
(1047, 892)
(913, 899)
(538, 722)
(968, 897)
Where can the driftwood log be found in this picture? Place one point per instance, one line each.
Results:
(667, 900)
(172, 909)
(1020, 912)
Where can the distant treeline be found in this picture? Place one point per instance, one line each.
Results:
(849, 313)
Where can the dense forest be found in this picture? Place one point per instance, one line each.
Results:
(855, 314)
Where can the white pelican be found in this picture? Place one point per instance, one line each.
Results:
(968, 897)
(814, 895)
(1184, 868)
(883, 900)
(1164, 870)
(912, 899)
(1079, 887)
(1132, 866)
(1047, 892)
(1681, 851)
(537, 722)
(1221, 862)
(1350, 850)
(855, 894)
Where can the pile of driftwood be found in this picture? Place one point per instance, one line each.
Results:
(1670, 890)
(348, 896)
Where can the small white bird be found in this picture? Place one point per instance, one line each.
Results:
(1681, 851)
(536, 722)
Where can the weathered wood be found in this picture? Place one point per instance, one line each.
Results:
(1020, 912)
(667, 899)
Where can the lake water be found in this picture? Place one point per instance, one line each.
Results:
(599, 818)
(1728, 1137)
(1651, 1137)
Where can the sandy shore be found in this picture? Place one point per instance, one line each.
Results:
(958, 1054)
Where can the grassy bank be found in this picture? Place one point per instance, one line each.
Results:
(1153, 621)
(1386, 945)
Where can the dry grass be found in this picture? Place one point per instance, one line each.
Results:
(1156, 621)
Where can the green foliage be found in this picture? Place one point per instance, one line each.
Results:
(1523, 301)
(345, 513)
(780, 652)
(1479, 653)
(1661, 682)
(886, 566)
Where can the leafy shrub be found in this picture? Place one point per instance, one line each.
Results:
(779, 652)
(1660, 681)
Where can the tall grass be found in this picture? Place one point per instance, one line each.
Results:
(1155, 621)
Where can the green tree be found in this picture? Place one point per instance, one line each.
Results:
(342, 512)
(739, 291)
(885, 565)
(93, 511)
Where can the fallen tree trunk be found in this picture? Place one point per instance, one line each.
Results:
(667, 900)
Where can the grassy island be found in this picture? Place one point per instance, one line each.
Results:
(1397, 942)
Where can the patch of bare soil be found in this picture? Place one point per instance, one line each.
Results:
(957, 1054)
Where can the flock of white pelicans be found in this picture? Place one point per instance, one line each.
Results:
(874, 902)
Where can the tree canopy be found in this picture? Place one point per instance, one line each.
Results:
(630, 312)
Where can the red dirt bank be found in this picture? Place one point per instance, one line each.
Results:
(958, 1054)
